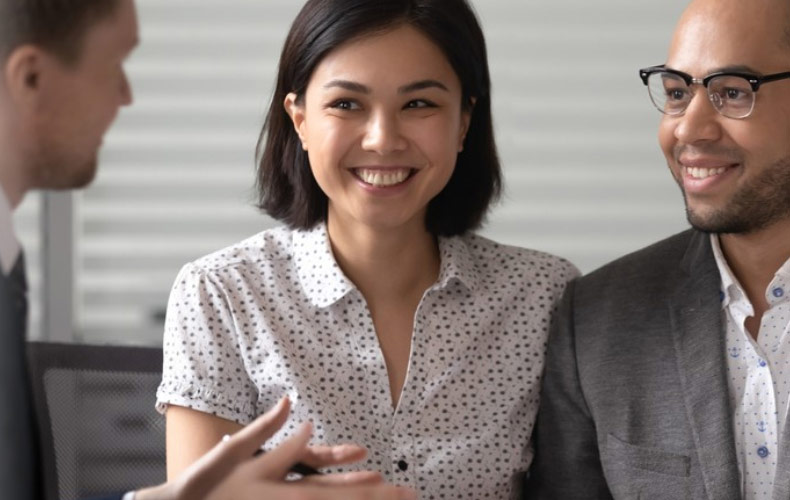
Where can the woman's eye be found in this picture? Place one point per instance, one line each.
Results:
(344, 105)
(419, 103)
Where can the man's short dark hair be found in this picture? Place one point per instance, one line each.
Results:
(58, 26)
(286, 188)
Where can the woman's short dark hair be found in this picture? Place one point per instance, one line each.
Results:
(286, 188)
(58, 26)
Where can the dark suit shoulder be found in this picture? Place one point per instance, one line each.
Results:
(118, 496)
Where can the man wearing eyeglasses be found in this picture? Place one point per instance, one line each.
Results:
(668, 371)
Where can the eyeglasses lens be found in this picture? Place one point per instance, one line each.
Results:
(669, 92)
(732, 96)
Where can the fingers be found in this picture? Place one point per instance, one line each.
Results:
(366, 493)
(323, 456)
(248, 440)
(359, 478)
(303, 492)
(215, 465)
(276, 463)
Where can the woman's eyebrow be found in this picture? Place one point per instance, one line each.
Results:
(421, 85)
(405, 89)
(348, 85)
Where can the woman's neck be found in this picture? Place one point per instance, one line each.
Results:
(384, 262)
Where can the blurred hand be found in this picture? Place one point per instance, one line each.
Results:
(228, 471)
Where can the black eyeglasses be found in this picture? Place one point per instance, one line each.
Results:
(731, 93)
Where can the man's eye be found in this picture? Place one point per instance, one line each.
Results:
(676, 94)
(733, 94)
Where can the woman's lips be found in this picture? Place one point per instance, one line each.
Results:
(383, 177)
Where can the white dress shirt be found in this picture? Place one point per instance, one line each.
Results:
(275, 315)
(9, 245)
(759, 375)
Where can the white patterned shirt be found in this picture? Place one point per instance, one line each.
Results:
(759, 375)
(275, 315)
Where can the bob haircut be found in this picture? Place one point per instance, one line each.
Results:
(286, 188)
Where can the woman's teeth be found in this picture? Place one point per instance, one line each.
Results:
(383, 178)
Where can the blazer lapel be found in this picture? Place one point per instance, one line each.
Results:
(782, 478)
(698, 336)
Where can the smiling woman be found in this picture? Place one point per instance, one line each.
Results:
(382, 146)
(376, 309)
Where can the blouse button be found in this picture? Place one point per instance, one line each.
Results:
(402, 465)
(762, 452)
(778, 292)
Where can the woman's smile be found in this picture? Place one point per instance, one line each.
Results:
(383, 177)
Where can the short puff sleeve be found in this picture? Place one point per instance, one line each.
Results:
(203, 363)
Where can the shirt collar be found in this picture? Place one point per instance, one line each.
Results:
(730, 288)
(324, 283)
(321, 278)
(784, 271)
(457, 263)
(9, 245)
(780, 284)
(732, 291)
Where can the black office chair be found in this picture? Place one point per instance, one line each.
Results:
(99, 430)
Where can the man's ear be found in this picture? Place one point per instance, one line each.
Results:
(297, 113)
(22, 73)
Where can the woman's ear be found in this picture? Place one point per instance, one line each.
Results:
(296, 111)
(466, 120)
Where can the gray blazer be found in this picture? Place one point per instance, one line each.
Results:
(635, 400)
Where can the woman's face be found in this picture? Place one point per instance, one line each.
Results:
(382, 124)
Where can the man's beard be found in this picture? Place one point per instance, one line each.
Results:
(759, 203)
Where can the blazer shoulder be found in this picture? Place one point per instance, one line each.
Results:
(646, 271)
(117, 496)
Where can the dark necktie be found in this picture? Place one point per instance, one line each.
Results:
(18, 282)
(18, 442)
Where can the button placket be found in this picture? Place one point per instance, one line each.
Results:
(401, 447)
(760, 419)
(376, 382)
(402, 456)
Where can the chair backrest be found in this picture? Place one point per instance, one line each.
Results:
(98, 427)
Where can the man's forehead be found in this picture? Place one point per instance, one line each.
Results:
(714, 34)
(117, 32)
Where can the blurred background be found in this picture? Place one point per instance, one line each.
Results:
(575, 128)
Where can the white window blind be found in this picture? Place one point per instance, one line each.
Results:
(576, 131)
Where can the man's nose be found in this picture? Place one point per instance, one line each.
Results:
(700, 121)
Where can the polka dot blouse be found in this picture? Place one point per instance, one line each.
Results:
(275, 315)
